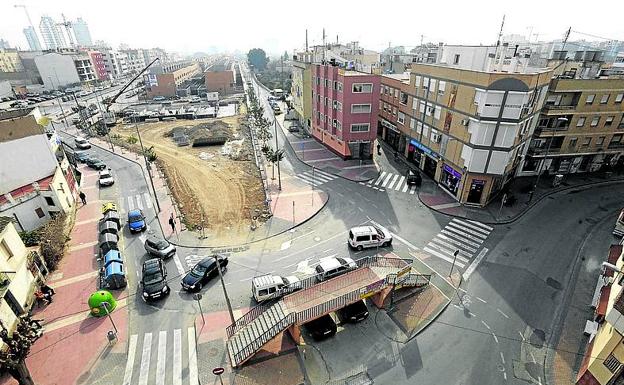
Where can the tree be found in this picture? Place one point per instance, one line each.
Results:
(13, 358)
(150, 154)
(258, 58)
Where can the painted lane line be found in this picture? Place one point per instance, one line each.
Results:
(148, 200)
(193, 374)
(533, 358)
(465, 233)
(393, 181)
(162, 358)
(285, 245)
(480, 224)
(340, 234)
(325, 174)
(178, 263)
(177, 357)
(502, 358)
(481, 299)
(504, 315)
(130, 363)
(130, 203)
(405, 187)
(474, 264)
(380, 178)
(449, 251)
(328, 250)
(521, 336)
(458, 307)
(145, 359)
(486, 325)
(457, 243)
(468, 230)
(505, 376)
(495, 338)
(386, 180)
(400, 183)
(246, 279)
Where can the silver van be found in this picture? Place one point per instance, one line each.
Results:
(369, 236)
(273, 286)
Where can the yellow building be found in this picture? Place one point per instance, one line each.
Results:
(10, 61)
(21, 269)
(301, 92)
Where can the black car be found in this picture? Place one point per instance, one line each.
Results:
(153, 282)
(81, 156)
(413, 178)
(95, 163)
(356, 312)
(322, 328)
(202, 272)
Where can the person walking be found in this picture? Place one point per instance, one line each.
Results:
(83, 198)
(378, 148)
(47, 291)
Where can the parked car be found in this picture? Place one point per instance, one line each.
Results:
(322, 327)
(413, 178)
(356, 312)
(331, 267)
(19, 104)
(106, 178)
(273, 286)
(159, 247)
(194, 99)
(276, 110)
(81, 156)
(95, 163)
(369, 236)
(202, 272)
(153, 282)
(136, 221)
(82, 143)
(158, 98)
(294, 126)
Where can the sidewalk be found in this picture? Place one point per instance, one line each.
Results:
(72, 339)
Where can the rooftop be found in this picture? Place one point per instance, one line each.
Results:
(15, 113)
(4, 221)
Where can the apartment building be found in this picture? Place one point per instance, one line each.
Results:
(99, 68)
(135, 60)
(52, 34)
(36, 181)
(114, 62)
(466, 128)
(10, 61)
(163, 80)
(301, 91)
(345, 106)
(22, 268)
(63, 69)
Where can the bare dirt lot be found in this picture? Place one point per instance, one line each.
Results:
(216, 186)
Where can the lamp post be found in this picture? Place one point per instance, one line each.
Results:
(279, 178)
(539, 172)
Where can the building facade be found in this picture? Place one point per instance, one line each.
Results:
(63, 69)
(166, 83)
(345, 106)
(301, 91)
(114, 62)
(36, 180)
(97, 61)
(466, 129)
(222, 82)
(31, 37)
(81, 32)
(10, 61)
(52, 34)
(135, 60)
(581, 128)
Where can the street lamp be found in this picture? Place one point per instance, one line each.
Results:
(539, 171)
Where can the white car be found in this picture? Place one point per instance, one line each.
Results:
(106, 178)
(82, 143)
(330, 267)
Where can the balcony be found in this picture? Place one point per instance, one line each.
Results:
(552, 107)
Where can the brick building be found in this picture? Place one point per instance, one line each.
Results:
(164, 81)
(222, 82)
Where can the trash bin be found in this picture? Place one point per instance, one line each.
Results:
(113, 216)
(109, 227)
(114, 275)
(108, 242)
(558, 179)
(95, 303)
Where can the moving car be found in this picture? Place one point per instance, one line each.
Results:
(202, 272)
(413, 178)
(330, 267)
(369, 236)
(322, 327)
(136, 221)
(95, 163)
(159, 247)
(106, 178)
(276, 109)
(273, 286)
(356, 312)
(153, 281)
(82, 143)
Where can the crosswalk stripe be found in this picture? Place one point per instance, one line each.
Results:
(393, 181)
(456, 243)
(193, 375)
(139, 201)
(448, 252)
(439, 242)
(405, 187)
(459, 237)
(444, 257)
(386, 180)
(145, 359)
(326, 174)
(467, 232)
(412, 190)
(162, 357)
(400, 183)
(306, 179)
(383, 174)
(480, 224)
(177, 357)
(469, 225)
(148, 199)
(317, 176)
(130, 203)
(130, 364)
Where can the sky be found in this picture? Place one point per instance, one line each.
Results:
(189, 26)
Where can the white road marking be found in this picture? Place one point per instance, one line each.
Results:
(504, 315)
(505, 375)
(467, 224)
(310, 247)
(458, 237)
(178, 263)
(246, 279)
(463, 232)
(285, 245)
(495, 338)
(442, 256)
(502, 358)
(398, 186)
(177, 357)
(481, 224)
(380, 178)
(521, 336)
(139, 201)
(393, 181)
(148, 200)
(449, 250)
(474, 264)
(481, 299)
(412, 190)
(130, 363)
(193, 375)
(162, 358)
(468, 230)
(145, 359)
(486, 325)
(405, 187)
(386, 180)
(533, 358)
(130, 203)
(458, 307)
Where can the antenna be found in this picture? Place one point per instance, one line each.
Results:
(500, 33)
(306, 40)
(324, 46)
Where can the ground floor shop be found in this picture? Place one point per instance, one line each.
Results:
(571, 164)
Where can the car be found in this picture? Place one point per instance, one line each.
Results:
(276, 110)
(194, 99)
(18, 104)
(106, 178)
(330, 267)
(81, 156)
(413, 178)
(294, 126)
(159, 247)
(202, 272)
(273, 286)
(158, 98)
(82, 143)
(154, 280)
(322, 327)
(362, 237)
(356, 312)
(136, 221)
(95, 163)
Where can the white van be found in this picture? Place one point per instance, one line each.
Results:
(273, 286)
(369, 236)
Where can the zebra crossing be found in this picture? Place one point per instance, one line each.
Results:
(140, 201)
(147, 368)
(315, 177)
(388, 181)
(466, 236)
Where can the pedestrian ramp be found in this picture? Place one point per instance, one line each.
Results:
(374, 275)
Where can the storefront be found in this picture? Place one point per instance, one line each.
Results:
(476, 191)
(393, 135)
(450, 179)
(419, 153)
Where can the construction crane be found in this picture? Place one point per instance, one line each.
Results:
(68, 28)
(27, 14)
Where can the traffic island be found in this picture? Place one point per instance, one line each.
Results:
(416, 308)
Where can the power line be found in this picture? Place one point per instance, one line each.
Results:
(595, 36)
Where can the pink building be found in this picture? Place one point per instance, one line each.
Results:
(345, 105)
(98, 65)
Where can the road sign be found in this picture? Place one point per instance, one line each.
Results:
(218, 371)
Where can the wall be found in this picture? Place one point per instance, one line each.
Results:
(220, 81)
(166, 86)
(56, 70)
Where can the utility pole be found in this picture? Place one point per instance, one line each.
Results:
(227, 299)
(277, 154)
(149, 171)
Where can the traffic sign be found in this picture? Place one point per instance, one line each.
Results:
(218, 371)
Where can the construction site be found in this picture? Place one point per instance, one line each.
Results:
(210, 170)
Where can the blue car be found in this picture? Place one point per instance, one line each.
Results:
(136, 221)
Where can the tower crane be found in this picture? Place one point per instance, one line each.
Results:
(68, 28)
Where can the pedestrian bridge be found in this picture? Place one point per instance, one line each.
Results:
(375, 277)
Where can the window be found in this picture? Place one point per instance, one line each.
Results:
(335, 85)
(590, 99)
(394, 111)
(412, 123)
(339, 86)
(417, 81)
(580, 122)
(360, 108)
(595, 121)
(39, 212)
(6, 250)
(609, 121)
(456, 59)
(615, 139)
(401, 118)
(587, 141)
(338, 125)
(572, 142)
(339, 106)
(436, 112)
(362, 88)
(441, 87)
(49, 201)
(334, 121)
(618, 98)
(600, 140)
(403, 99)
(325, 101)
(604, 99)
(360, 127)
(612, 363)
(396, 93)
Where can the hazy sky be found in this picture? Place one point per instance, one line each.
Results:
(188, 26)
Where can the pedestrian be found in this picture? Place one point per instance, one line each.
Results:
(47, 290)
(42, 297)
(378, 149)
(172, 223)
(83, 198)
